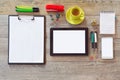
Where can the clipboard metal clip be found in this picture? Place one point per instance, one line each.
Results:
(19, 18)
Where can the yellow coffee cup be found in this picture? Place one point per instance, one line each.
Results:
(75, 13)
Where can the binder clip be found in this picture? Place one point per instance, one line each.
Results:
(51, 16)
(54, 8)
(19, 18)
(94, 23)
(57, 16)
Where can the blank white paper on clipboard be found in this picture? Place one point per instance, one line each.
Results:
(26, 39)
(107, 22)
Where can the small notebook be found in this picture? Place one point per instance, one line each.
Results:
(107, 48)
(26, 39)
(107, 22)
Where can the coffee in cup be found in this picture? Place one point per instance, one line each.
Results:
(75, 13)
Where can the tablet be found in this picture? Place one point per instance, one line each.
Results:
(69, 41)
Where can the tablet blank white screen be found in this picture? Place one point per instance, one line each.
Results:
(69, 41)
(26, 40)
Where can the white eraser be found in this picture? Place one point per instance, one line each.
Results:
(107, 48)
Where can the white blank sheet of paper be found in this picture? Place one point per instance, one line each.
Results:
(107, 48)
(107, 23)
(69, 41)
(26, 40)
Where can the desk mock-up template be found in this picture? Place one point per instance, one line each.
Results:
(107, 48)
(107, 22)
(26, 39)
(69, 41)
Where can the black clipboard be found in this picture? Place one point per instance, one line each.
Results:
(26, 39)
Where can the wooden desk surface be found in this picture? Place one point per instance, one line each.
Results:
(65, 67)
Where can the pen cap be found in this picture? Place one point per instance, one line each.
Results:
(35, 9)
(93, 45)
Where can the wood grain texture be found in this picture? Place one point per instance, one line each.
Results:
(62, 67)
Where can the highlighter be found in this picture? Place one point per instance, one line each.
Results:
(92, 38)
(26, 9)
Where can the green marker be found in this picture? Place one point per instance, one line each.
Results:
(26, 9)
(92, 38)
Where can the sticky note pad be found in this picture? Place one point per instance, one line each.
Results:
(107, 48)
(107, 22)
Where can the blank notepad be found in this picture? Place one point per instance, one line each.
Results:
(107, 47)
(26, 39)
(107, 23)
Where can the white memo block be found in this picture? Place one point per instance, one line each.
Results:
(107, 22)
(107, 48)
